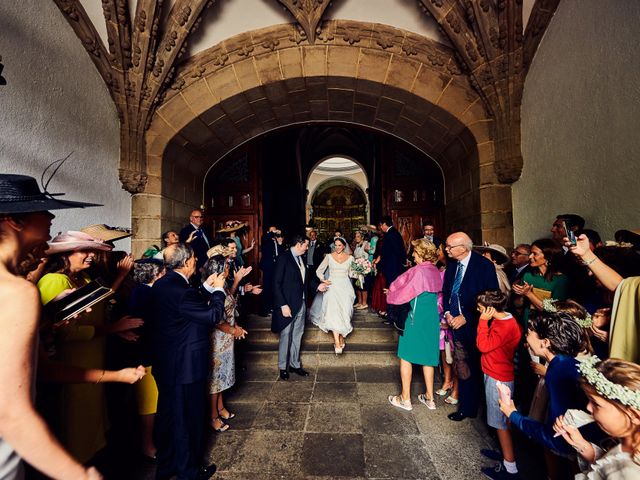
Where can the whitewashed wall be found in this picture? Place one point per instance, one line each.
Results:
(55, 102)
(580, 120)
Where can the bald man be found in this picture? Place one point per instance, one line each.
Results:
(468, 273)
(199, 242)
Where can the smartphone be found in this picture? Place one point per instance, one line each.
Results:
(570, 234)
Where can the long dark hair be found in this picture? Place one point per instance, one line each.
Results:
(553, 254)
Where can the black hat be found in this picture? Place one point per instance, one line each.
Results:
(21, 194)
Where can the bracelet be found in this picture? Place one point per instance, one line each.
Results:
(589, 262)
(101, 377)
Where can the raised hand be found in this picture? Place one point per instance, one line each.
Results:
(126, 323)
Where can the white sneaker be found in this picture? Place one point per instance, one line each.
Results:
(397, 401)
(431, 405)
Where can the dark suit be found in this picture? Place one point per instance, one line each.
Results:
(312, 259)
(480, 275)
(392, 255)
(181, 327)
(200, 244)
(269, 253)
(289, 289)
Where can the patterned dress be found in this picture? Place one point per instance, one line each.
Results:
(223, 369)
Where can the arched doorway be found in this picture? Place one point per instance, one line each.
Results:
(338, 204)
(420, 96)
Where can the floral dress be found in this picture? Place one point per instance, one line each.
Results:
(223, 369)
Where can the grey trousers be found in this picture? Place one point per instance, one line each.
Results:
(290, 339)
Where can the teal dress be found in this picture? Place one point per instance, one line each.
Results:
(420, 343)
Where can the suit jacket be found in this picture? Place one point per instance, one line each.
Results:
(516, 277)
(479, 276)
(318, 254)
(199, 244)
(288, 289)
(268, 251)
(182, 319)
(392, 255)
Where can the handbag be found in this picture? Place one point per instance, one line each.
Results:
(398, 314)
(448, 354)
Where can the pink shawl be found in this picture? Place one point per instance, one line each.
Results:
(419, 279)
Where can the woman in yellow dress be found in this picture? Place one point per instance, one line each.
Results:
(82, 422)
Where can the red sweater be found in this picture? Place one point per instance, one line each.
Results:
(498, 345)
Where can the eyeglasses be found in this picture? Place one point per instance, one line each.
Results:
(197, 216)
(450, 247)
(515, 252)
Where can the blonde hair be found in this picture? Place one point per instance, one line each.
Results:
(626, 374)
(426, 250)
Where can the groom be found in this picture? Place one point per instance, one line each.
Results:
(289, 286)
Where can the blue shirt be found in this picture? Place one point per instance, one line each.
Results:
(562, 381)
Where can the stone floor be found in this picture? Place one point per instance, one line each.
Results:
(337, 423)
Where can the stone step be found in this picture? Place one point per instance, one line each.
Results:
(312, 358)
(313, 335)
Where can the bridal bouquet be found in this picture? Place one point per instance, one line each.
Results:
(358, 269)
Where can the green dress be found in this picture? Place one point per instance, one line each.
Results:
(556, 288)
(420, 343)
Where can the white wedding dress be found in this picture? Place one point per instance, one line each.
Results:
(332, 310)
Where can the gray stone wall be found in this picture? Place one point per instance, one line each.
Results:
(55, 102)
(580, 119)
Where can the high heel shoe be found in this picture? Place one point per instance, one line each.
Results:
(223, 426)
(444, 391)
(338, 350)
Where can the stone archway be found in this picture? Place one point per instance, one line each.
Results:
(374, 76)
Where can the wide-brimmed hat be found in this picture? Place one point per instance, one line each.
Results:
(368, 228)
(498, 252)
(629, 236)
(232, 226)
(21, 194)
(106, 233)
(218, 250)
(72, 240)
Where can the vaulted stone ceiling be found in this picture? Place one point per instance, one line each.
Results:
(144, 63)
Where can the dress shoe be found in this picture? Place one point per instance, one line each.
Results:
(300, 371)
(207, 472)
(284, 375)
(458, 416)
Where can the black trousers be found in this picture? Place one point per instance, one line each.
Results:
(470, 378)
(179, 430)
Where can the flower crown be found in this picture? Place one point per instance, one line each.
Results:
(548, 305)
(605, 387)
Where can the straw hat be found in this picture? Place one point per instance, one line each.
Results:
(218, 250)
(72, 240)
(498, 252)
(370, 228)
(232, 226)
(21, 194)
(106, 233)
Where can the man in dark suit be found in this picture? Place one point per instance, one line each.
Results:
(392, 253)
(182, 321)
(429, 233)
(468, 274)
(315, 254)
(270, 250)
(289, 286)
(519, 263)
(196, 238)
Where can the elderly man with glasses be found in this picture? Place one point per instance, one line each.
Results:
(519, 262)
(468, 273)
(199, 242)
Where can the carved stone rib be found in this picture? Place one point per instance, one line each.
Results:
(541, 15)
(308, 14)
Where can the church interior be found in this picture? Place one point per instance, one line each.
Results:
(489, 117)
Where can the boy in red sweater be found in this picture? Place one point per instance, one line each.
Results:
(498, 338)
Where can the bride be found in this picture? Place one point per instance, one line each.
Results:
(331, 311)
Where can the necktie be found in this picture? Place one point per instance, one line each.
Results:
(454, 302)
(301, 267)
(200, 233)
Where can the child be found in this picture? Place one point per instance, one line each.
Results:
(556, 338)
(497, 344)
(613, 389)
